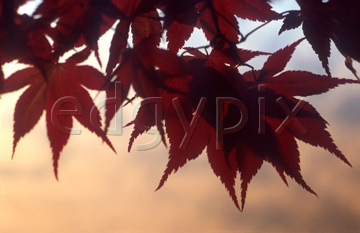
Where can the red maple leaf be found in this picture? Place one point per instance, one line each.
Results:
(57, 89)
(199, 99)
(21, 37)
(216, 18)
(218, 21)
(77, 22)
(143, 19)
(191, 124)
(146, 69)
(336, 20)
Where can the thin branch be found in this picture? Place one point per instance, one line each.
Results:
(277, 17)
(196, 48)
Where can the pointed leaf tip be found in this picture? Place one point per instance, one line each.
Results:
(278, 61)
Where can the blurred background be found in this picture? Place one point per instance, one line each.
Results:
(99, 191)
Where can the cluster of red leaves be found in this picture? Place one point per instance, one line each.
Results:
(189, 84)
(322, 22)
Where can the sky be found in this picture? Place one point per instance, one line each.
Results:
(100, 191)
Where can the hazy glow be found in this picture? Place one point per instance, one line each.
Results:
(103, 192)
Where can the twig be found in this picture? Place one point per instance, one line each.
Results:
(277, 17)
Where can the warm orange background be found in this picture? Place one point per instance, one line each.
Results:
(102, 192)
